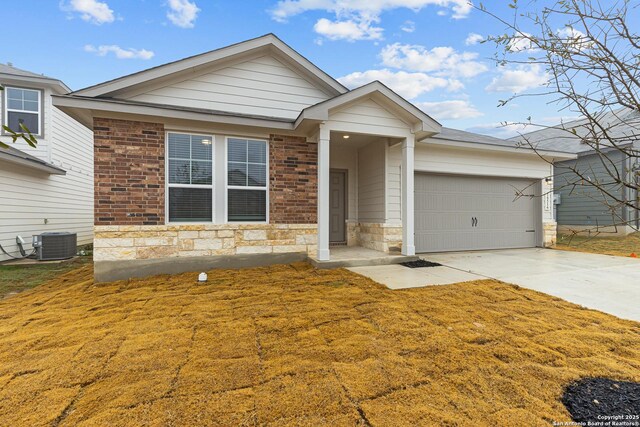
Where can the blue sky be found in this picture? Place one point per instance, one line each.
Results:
(426, 50)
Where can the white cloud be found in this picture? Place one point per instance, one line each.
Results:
(354, 19)
(521, 43)
(93, 11)
(119, 52)
(349, 30)
(574, 38)
(286, 8)
(408, 26)
(182, 13)
(473, 39)
(450, 110)
(518, 79)
(443, 61)
(408, 85)
(570, 33)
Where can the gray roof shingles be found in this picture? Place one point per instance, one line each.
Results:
(623, 126)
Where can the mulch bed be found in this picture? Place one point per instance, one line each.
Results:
(420, 263)
(589, 398)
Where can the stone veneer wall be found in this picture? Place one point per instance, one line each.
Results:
(352, 233)
(379, 236)
(128, 242)
(549, 230)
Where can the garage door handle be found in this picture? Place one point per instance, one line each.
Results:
(530, 231)
(474, 221)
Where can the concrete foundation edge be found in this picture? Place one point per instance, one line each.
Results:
(594, 231)
(362, 262)
(109, 271)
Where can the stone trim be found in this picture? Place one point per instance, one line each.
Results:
(379, 236)
(353, 230)
(549, 232)
(113, 242)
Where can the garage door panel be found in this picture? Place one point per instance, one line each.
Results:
(446, 204)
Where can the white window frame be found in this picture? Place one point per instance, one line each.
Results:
(243, 187)
(7, 109)
(211, 186)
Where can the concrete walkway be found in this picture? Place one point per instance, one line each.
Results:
(602, 282)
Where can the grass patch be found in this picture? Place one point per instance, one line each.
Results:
(618, 246)
(292, 345)
(17, 278)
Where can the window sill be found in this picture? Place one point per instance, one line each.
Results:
(219, 223)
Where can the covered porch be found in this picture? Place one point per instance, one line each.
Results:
(360, 206)
(366, 140)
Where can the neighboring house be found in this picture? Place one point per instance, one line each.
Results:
(583, 207)
(48, 188)
(251, 149)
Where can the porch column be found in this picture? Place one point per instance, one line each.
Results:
(408, 245)
(323, 192)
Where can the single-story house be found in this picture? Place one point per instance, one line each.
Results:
(48, 188)
(579, 205)
(252, 150)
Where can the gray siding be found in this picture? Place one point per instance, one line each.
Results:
(584, 204)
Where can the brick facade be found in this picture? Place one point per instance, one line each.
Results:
(130, 175)
(129, 172)
(293, 180)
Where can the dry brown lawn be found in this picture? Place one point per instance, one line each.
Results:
(618, 246)
(290, 345)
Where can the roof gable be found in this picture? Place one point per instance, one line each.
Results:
(260, 85)
(384, 98)
(266, 45)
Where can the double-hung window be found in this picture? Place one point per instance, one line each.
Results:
(23, 106)
(246, 180)
(190, 183)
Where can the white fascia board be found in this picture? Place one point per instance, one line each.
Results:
(309, 66)
(207, 58)
(71, 102)
(56, 85)
(556, 155)
(31, 164)
(320, 112)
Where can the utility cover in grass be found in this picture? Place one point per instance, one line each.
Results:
(593, 399)
(420, 263)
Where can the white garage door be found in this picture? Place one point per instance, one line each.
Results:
(456, 213)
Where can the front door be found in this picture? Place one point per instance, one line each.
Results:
(337, 206)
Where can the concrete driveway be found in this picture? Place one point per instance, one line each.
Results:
(606, 283)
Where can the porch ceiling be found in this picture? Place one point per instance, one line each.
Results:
(356, 140)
